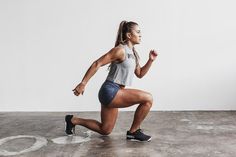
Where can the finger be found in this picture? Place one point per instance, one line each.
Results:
(154, 53)
(75, 90)
(76, 93)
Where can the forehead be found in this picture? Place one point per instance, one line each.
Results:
(136, 27)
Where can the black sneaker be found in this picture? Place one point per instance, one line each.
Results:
(138, 135)
(69, 126)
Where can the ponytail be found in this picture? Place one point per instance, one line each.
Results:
(120, 35)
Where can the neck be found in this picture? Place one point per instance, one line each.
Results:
(130, 45)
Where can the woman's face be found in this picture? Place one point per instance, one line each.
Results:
(135, 35)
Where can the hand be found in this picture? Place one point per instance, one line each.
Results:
(152, 55)
(79, 89)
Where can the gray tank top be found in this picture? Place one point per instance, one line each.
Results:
(122, 73)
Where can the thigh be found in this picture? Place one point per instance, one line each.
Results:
(129, 97)
(108, 116)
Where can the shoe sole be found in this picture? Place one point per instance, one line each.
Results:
(73, 131)
(135, 140)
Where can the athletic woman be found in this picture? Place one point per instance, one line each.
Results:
(124, 63)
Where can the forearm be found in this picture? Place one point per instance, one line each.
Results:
(145, 68)
(90, 72)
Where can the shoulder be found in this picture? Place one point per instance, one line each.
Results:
(118, 51)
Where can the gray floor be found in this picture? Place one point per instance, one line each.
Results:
(175, 134)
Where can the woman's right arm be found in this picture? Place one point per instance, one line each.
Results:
(115, 54)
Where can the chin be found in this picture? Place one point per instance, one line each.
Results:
(136, 42)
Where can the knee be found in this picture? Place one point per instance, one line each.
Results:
(146, 97)
(106, 130)
(149, 99)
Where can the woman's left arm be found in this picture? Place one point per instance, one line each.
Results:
(141, 71)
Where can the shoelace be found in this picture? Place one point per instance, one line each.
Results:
(140, 130)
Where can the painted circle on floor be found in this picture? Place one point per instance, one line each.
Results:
(39, 142)
(70, 139)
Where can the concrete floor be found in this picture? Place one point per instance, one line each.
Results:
(175, 134)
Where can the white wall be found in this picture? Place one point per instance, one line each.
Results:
(46, 47)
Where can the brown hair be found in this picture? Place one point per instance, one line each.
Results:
(126, 27)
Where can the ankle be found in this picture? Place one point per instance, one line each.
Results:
(132, 130)
(75, 120)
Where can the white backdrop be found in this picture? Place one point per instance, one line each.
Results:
(46, 47)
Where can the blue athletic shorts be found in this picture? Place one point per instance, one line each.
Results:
(107, 92)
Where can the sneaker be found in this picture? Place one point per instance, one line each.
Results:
(69, 126)
(138, 135)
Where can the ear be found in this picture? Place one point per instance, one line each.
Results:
(128, 35)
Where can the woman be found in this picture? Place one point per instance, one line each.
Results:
(124, 63)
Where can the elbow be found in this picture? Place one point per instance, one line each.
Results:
(96, 65)
(140, 76)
